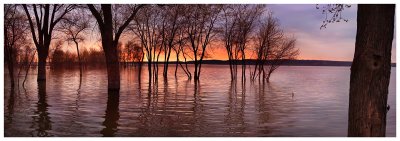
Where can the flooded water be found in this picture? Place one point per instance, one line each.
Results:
(299, 101)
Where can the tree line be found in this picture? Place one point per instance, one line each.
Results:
(153, 33)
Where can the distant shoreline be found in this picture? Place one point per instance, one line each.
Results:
(289, 62)
(253, 62)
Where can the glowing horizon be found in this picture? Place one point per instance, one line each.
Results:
(303, 21)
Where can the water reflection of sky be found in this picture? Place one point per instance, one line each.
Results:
(299, 101)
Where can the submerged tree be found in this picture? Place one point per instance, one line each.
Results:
(238, 24)
(172, 15)
(45, 18)
(272, 48)
(73, 27)
(147, 28)
(284, 52)
(14, 37)
(200, 29)
(111, 27)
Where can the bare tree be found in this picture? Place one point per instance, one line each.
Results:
(111, 30)
(14, 37)
(74, 26)
(200, 29)
(228, 28)
(180, 49)
(147, 28)
(246, 17)
(46, 17)
(272, 48)
(284, 52)
(173, 18)
(237, 26)
(269, 34)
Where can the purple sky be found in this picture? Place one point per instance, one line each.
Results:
(336, 42)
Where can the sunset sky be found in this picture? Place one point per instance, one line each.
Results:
(303, 21)
(336, 42)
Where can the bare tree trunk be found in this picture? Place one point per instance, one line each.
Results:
(111, 54)
(166, 64)
(176, 64)
(79, 58)
(42, 55)
(149, 69)
(196, 77)
(243, 67)
(370, 71)
(112, 69)
(27, 69)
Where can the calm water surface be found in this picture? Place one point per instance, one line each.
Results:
(299, 101)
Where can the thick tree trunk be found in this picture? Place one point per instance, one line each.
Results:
(112, 65)
(42, 65)
(110, 49)
(113, 73)
(370, 71)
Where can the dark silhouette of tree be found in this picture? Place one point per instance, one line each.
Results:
(15, 37)
(285, 51)
(246, 17)
(200, 29)
(45, 19)
(172, 15)
(111, 32)
(267, 36)
(272, 48)
(238, 25)
(147, 28)
(180, 49)
(370, 70)
(73, 27)
(228, 27)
